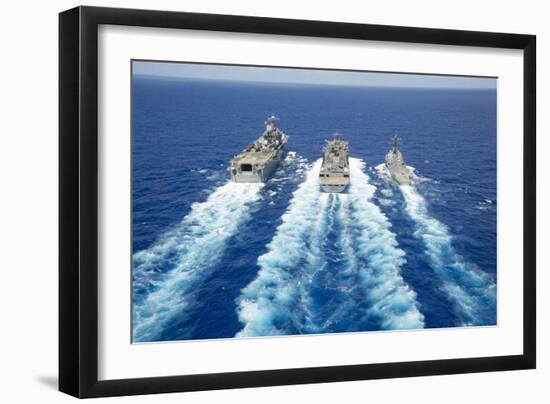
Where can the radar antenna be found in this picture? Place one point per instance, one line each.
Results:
(395, 142)
(271, 123)
(272, 120)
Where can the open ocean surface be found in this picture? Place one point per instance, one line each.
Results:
(213, 259)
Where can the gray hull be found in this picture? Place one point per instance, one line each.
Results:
(258, 161)
(337, 188)
(264, 174)
(397, 168)
(334, 172)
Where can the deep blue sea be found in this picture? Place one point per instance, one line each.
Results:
(213, 259)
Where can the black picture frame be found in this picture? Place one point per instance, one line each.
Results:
(78, 201)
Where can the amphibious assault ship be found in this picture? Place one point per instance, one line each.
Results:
(334, 173)
(258, 161)
(396, 164)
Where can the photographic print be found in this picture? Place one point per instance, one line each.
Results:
(281, 201)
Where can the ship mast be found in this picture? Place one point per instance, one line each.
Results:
(395, 142)
(271, 123)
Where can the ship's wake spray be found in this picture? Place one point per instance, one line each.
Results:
(272, 304)
(282, 298)
(392, 304)
(471, 291)
(166, 274)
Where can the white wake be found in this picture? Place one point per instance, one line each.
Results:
(277, 301)
(167, 272)
(267, 306)
(472, 291)
(379, 259)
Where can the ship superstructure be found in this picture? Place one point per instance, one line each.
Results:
(334, 173)
(396, 164)
(259, 160)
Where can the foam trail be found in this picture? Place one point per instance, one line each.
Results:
(391, 303)
(279, 302)
(166, 273)
(472, 291)
(275, 302)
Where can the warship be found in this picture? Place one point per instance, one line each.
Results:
(334, 173)
(396, 164)
(259, 160)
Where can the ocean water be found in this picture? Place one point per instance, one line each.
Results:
(214, 259)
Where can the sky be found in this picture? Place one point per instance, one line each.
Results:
(307, 76)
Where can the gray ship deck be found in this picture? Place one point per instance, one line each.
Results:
(253, 158)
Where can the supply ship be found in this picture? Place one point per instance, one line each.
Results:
(396, 164)
(334, 173)
(258, 161)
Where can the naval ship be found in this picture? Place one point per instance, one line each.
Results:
(334, 173)
(396, 165)
(258, 161)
